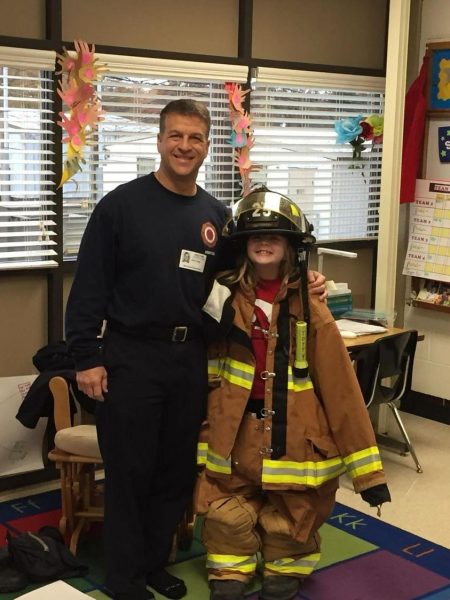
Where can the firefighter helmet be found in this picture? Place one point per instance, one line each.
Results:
(264, 211)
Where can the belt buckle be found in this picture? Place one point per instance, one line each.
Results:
(179, 334)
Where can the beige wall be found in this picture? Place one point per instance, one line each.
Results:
(348, 33)
(197, 27)
(22, 18)
(357, 273)
(23, 321)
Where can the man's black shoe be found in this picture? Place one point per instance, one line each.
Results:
(166, 584)
(147, 595)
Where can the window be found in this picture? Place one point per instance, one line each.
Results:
(133, 92)
(295, 145)
(27, 236)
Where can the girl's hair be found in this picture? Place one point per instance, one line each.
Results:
(245, 274)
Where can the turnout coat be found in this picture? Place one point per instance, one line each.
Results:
(315, 428)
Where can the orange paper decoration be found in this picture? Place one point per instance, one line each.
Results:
(77, 91)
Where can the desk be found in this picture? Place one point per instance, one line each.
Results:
(355, 345)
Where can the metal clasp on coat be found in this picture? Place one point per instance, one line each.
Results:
(266, 450)
(266, 375)
(267, 412)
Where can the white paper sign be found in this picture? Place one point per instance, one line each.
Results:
(428, 253)
(58, 590)
(20, 447)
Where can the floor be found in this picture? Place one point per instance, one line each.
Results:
(420, 501)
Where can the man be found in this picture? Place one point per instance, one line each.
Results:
(149, 370)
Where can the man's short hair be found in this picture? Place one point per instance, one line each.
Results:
(186, 107)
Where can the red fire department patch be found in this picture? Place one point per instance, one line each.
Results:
(209, 235)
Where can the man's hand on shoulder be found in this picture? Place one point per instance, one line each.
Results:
(93, 382)
(316, 284)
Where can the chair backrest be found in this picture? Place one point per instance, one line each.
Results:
(61, 402)
(389, 357)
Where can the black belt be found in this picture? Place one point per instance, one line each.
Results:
(176, 333)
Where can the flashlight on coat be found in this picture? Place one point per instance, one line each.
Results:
(300, 363)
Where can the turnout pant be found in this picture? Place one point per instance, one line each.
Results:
(242, 519)
(148, 430)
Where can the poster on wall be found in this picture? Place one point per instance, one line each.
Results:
(20, 447)
(439, 77)
(428, 253)
(444, 144)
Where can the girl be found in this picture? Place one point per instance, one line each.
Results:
(285, 413)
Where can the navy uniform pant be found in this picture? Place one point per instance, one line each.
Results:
(148, 430)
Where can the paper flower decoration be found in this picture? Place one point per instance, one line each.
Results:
(358, 130)
(241, 137)
(77, 91)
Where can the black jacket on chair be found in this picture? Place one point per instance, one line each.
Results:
(51, 360)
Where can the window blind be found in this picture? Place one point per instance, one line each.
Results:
(133, 93)
(295, 146)
(27, 225)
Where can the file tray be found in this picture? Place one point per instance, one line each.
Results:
(367, 315)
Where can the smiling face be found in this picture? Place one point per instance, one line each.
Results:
(266, 252)
(183, 145)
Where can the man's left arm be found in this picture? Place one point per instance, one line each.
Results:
(316, 284)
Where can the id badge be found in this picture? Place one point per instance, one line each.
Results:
(194, 261)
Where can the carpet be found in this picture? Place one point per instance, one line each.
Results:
(363, 558)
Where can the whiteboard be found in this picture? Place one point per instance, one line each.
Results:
(20, 447)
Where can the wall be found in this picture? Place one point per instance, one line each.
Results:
(320, 31)
(432, 364)
(23, 321)
(197, 26)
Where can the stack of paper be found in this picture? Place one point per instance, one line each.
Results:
(357, 328)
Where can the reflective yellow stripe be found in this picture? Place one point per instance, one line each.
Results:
(234, 371)
(363, 462)
(238, 373)
(243, 564)
(214, 366)
(301, 566)
(310, 473)
(202, 450)
(297, 384)
(218, 464)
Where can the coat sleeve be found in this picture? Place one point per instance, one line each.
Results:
(336, 384)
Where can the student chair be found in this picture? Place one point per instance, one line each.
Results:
(77, 456)
(384, 371)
